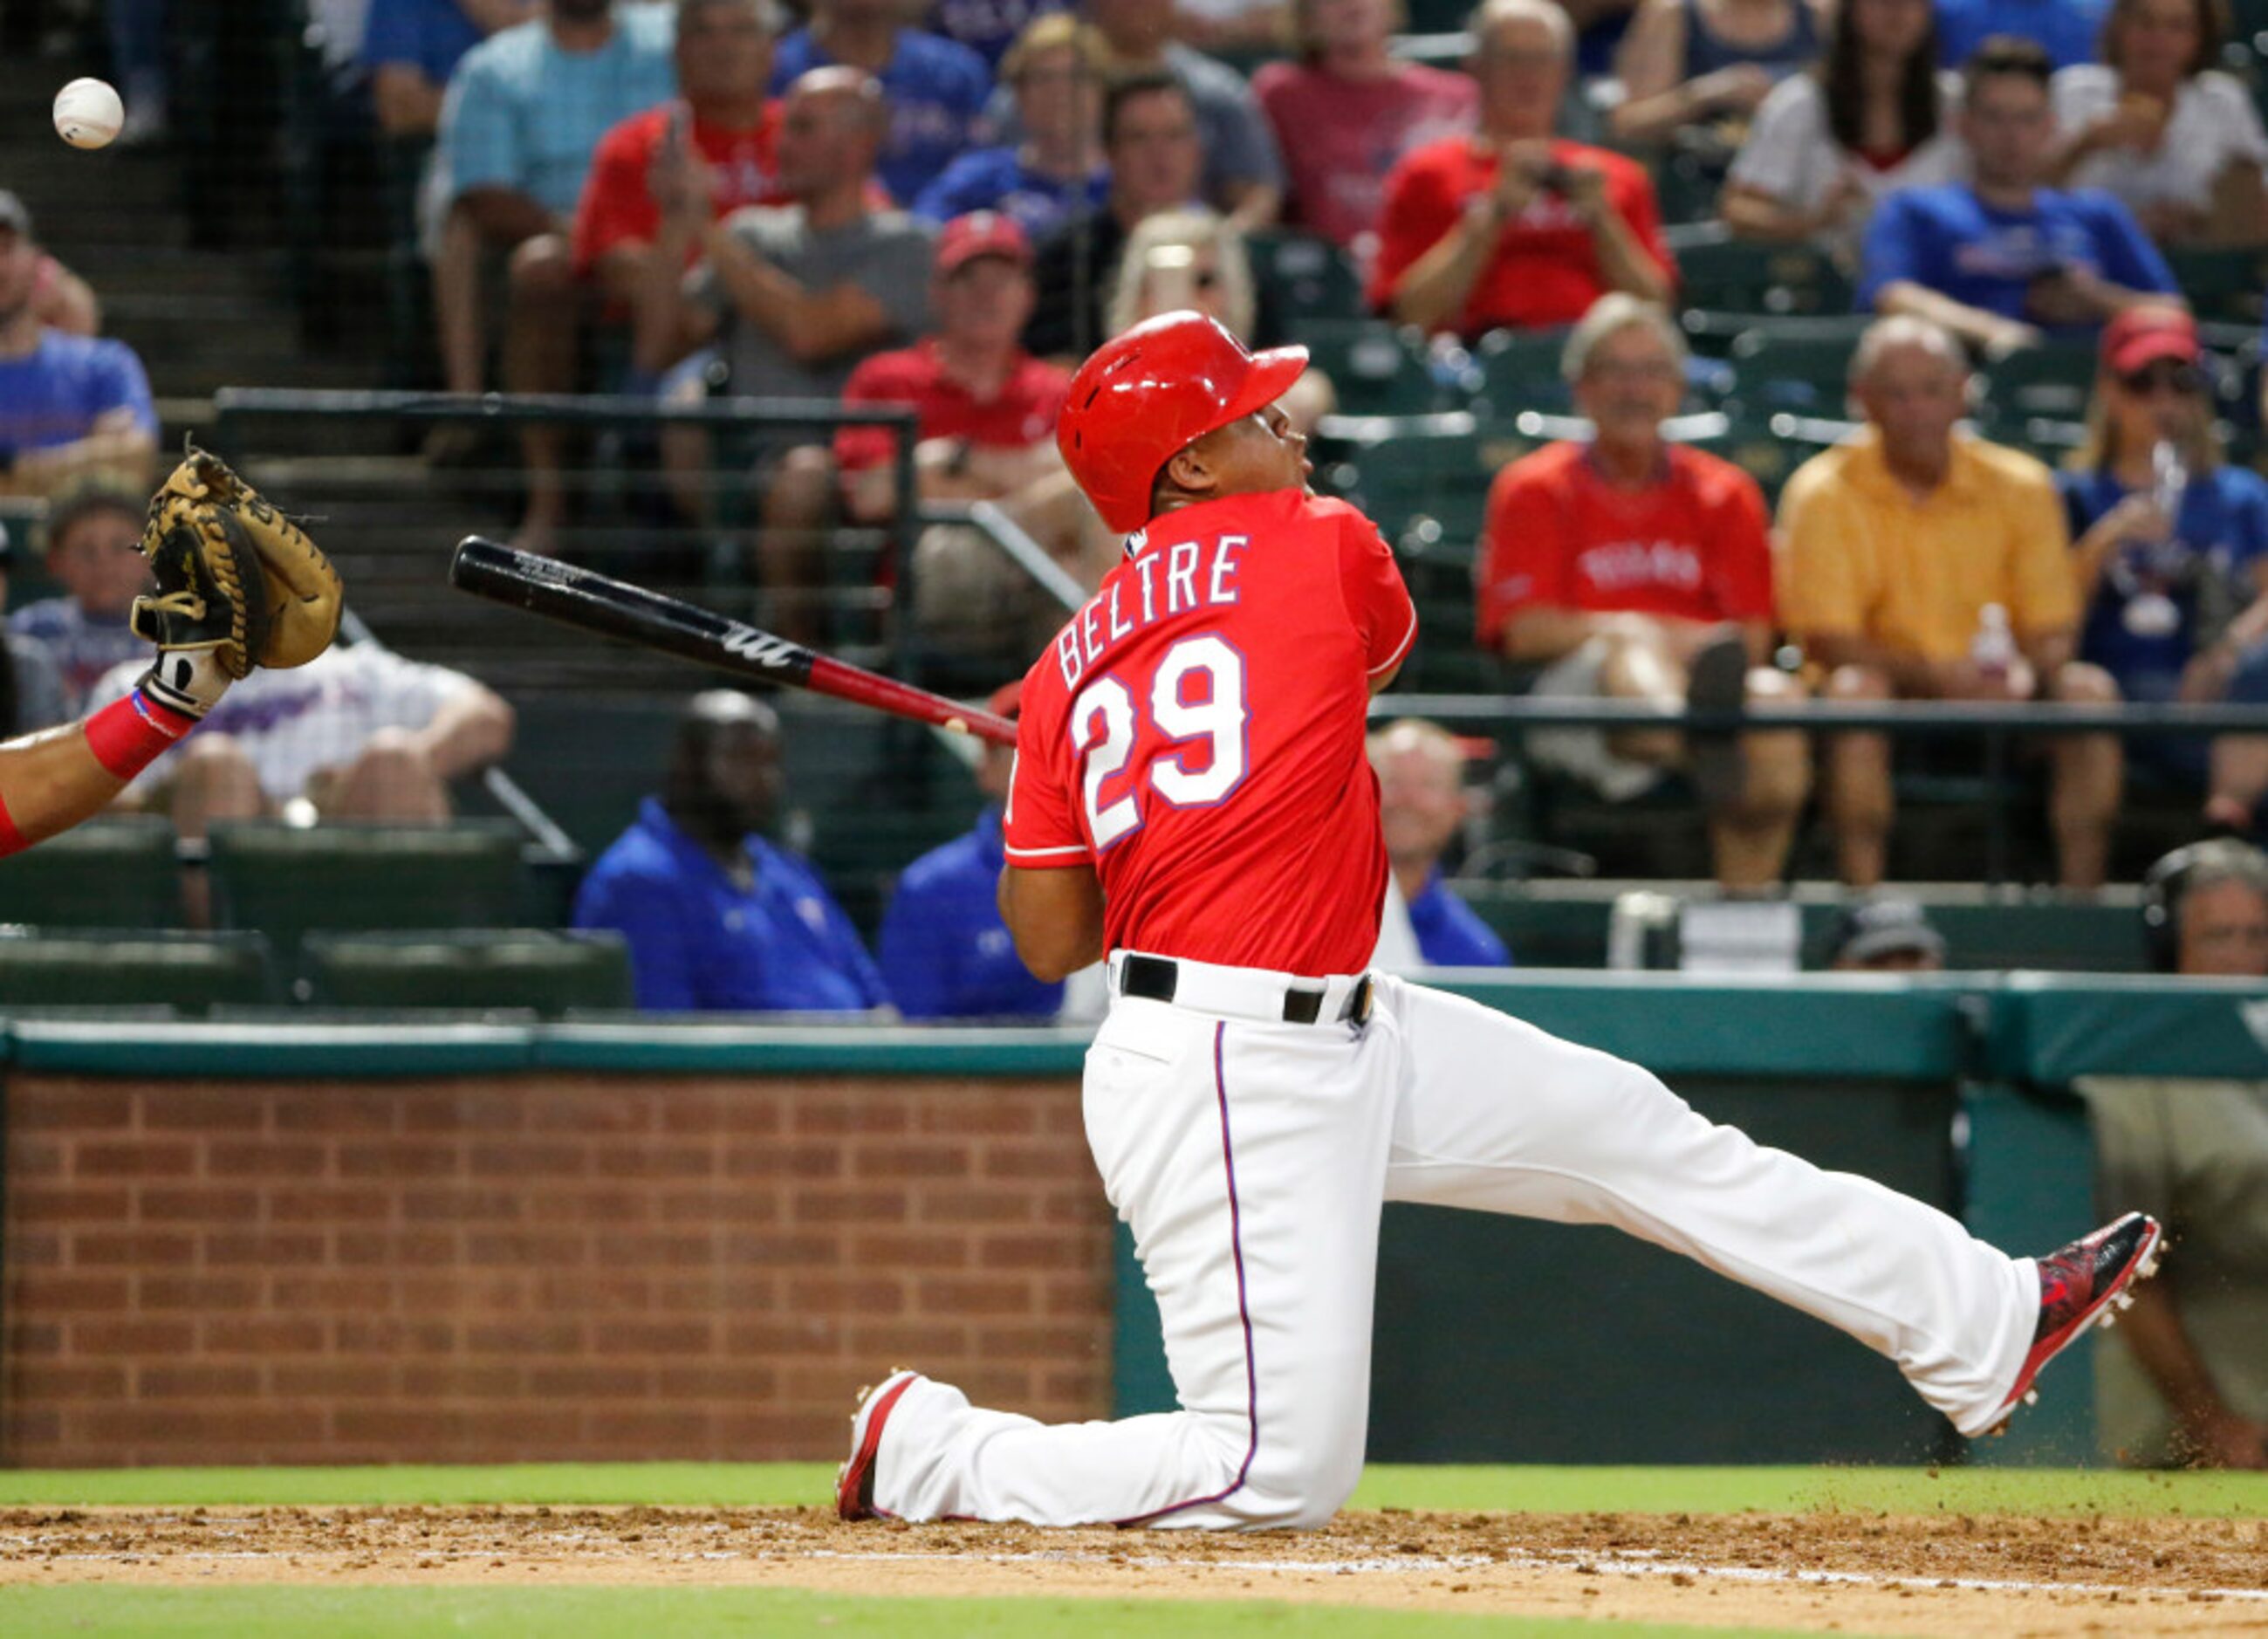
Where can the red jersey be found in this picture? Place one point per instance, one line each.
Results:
(1691, 544)
(617, 205)
(1023, 413)
(1544, 271)
(1196, 734)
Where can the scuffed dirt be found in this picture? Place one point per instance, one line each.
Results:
(1882, 1575)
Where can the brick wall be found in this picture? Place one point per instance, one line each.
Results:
(533, 1267)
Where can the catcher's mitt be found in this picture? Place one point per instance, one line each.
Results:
(233, 574)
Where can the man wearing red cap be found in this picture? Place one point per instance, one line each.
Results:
(988, 415)
(2172, 553)
(1191, 797)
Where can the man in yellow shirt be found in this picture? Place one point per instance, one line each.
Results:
(1920, 564)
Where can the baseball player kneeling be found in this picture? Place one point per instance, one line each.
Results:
(238, 586)
(1191, 797)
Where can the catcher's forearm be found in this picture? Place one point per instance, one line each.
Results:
(51, 781)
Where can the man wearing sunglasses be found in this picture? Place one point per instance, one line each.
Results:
(2172, 554)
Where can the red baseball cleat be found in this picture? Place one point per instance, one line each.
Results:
(2081, 1285)
(854, 1481)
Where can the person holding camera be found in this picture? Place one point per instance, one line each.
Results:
(1515, 226)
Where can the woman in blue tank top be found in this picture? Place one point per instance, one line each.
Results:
(1689, 62)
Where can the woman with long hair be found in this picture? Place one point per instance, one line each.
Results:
(2176, 141)
(1870, 117)
(2171, 552)
(1196, 258)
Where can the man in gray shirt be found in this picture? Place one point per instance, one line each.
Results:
(791, 298)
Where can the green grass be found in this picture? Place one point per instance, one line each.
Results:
(115, 1613)
(1545, 1490)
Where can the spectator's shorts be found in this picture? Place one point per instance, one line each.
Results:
(1582, 754)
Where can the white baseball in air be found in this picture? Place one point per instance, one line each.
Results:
(88, 113)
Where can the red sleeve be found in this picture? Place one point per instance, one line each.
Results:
(1414, 216)
(1376, 601)
(1041, 827)
(858, 448)
(1633, 196)
(615, 206)
(1743, 546)
(1524, 550)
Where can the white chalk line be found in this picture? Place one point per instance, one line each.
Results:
(1627, 1564)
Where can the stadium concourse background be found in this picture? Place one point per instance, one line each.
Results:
(335, 1142)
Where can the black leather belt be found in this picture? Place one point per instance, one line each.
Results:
(1155, 979)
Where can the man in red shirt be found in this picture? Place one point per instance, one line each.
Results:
(1192, 795)
(1514, 227)
(988, 423)
(1634, 569)
(715, 140)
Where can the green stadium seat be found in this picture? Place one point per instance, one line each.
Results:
(1752, 276)
(92, 968)
(115, 872)
(544, 969)
(1379, 368)
(2222, 285)
(1801, 366)
(1520, 372)
(286, 880)
(1304, 278)
(2053, 382)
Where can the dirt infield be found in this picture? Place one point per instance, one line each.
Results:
(1955, 1574)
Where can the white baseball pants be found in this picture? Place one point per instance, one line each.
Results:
(1251, 1159)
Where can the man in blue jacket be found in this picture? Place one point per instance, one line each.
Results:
(945, 953)
(716, 917)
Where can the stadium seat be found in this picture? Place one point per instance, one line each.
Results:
(1519, 371)
(286, 880)
(1799, 365)
(2222, 285)
(115, 871)
(1380, 368)
(1716, 271)
(95, 968)
(1304, 278)
(544, 969)
(2053, 382)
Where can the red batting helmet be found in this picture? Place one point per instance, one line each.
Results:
(1145, 395)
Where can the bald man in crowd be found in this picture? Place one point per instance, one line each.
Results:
(1422, 804)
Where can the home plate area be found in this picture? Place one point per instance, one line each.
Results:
(1950, 1573)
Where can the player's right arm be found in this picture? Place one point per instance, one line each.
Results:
(51, 781)
(1050, 895)
(1056, 919)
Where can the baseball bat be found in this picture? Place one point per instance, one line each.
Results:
(616, 609)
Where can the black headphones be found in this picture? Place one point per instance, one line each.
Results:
(2164, 884)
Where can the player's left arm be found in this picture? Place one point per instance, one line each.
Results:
(1054, 917)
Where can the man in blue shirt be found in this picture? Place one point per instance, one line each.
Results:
(1421, 804)
(1056, 70)
(718, 918)
(2069, 31)
(68, 404)
(2003, 262)
(523, 116)
(935, 89)
(945, 953)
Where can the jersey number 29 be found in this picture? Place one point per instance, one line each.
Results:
(1103, 725)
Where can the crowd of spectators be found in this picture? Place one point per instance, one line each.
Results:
(881, 202)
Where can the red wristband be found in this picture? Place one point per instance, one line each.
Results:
(128, 736)
(11, 840)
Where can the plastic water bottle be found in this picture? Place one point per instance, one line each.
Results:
(1993, 649)
(2169, 480)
